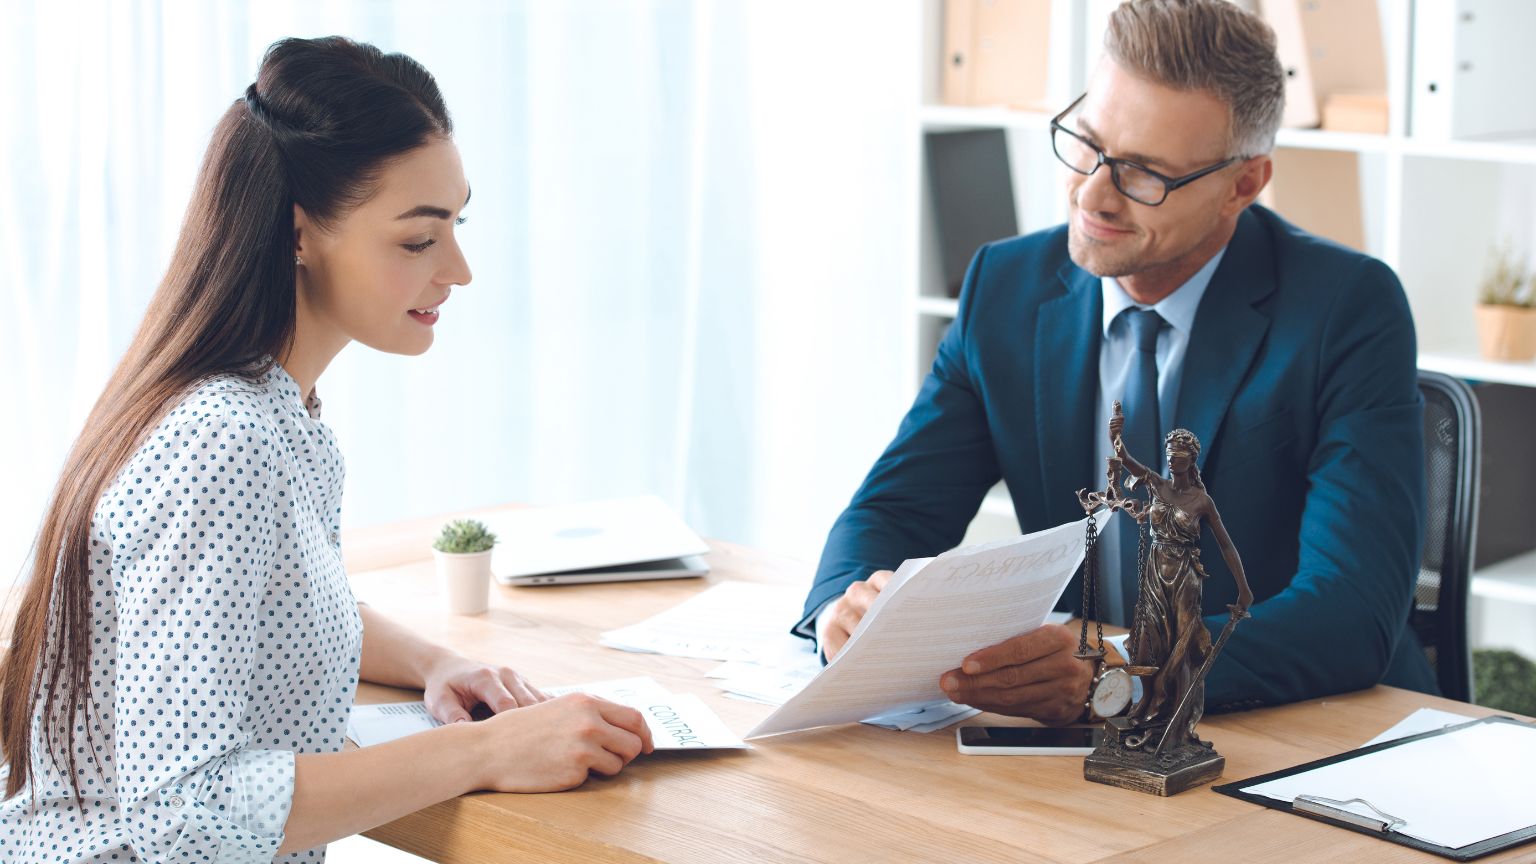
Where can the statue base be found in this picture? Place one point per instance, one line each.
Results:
(1126, 759)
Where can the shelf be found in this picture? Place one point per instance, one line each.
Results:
(939, 307)
(1473, 367)
(956, 118)
(1513, 152)
(1519, 152)
(1322, 139)
(1512, 580)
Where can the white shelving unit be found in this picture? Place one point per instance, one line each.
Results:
(1432, 208)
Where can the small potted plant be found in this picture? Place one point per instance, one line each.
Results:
(463, 553)
(1506, 313)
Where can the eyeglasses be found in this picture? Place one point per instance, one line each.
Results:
(1135, 181)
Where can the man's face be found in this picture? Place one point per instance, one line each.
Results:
(1174, 133)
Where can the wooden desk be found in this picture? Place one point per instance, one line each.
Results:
(847, 794)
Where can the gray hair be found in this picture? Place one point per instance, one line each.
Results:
(1209, 45)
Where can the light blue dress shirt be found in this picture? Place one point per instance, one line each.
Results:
(1116, 352)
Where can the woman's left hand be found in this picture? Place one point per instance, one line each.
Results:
(457, 684)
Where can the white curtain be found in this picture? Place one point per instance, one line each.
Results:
(691, 236)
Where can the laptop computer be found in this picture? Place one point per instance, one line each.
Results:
(618, 540)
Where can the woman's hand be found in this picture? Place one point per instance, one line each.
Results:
(455, 685)
(555, 744)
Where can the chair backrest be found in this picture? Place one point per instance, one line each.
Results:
(1452, 461)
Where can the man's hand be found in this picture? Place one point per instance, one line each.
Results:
(1033, 675)
(848, 610)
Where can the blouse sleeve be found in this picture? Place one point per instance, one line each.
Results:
(194, 526)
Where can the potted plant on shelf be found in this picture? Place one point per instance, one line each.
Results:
(463, 553)
(1506, 313)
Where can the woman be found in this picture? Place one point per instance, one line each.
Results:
(1169, 631)
(185, 654)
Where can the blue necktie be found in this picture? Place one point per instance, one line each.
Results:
(1143, 441)
(1143, 427)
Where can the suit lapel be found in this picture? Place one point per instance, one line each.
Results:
(1227, 334)
(1067, 335)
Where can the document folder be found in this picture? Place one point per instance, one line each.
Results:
(1462, 773)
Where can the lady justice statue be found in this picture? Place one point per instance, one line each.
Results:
(1154, 747)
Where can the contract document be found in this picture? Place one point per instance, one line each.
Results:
(932, 613)
(678, 721)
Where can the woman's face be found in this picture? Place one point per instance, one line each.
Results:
(380, 274)
(1179, 460)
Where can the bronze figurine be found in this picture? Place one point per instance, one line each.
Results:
(1154, 747)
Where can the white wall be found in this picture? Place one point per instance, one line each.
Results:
(686, 232)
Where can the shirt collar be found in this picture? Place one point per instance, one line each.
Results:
(280, 380)
(1178, 308)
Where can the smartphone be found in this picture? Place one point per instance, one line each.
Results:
(1028, 740)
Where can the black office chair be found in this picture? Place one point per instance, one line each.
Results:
(1452, 460)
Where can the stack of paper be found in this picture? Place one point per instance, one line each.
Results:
(925, 718)
(931, 614)
(767, 683)
(678, 721)
(747, 625)
(731, 621)
(1455, 789)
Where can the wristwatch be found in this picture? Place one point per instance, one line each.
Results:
(1108, 694)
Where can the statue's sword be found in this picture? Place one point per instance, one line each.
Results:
(1183, 710)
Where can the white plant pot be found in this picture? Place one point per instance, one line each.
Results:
(465, 580)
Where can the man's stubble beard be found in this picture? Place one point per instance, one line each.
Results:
(1098, 258)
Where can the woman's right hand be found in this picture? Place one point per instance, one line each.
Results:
(552, 746)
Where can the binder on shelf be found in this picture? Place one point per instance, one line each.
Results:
(971, 186)
(1460, 792)
(1284, 17)
(1472, 65)
(1348, 111)
(1333, 56)
(1319, 190)
(996, 52)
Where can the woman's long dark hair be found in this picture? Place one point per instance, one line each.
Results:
(323, 118)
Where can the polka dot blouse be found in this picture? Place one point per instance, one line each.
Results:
(225, 639)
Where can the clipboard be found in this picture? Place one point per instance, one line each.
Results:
(1361, 815)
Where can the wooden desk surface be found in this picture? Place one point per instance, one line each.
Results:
(846, 794)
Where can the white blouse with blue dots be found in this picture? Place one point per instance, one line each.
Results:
(225, 639)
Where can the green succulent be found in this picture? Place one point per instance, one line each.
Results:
(463, 536)
(1505, 282)
(1504, 680)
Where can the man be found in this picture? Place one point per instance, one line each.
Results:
(1290, 358)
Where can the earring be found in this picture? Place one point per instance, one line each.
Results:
(297, 261)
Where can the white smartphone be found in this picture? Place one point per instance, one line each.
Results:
(1028, 740)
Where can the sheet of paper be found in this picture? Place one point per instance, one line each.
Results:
(1422, 720)
(375, 724)
(1453, 789)
(768, 685)
(730, 621)
(927, 718)
(932, 613)
(678, 721)
(771, 685)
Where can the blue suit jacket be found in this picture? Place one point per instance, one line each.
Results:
(1300, 382)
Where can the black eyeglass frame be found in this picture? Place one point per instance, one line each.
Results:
(1169, 183)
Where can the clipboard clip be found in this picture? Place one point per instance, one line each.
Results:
(1330, 808)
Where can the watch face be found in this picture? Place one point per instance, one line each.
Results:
(1112, 694)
